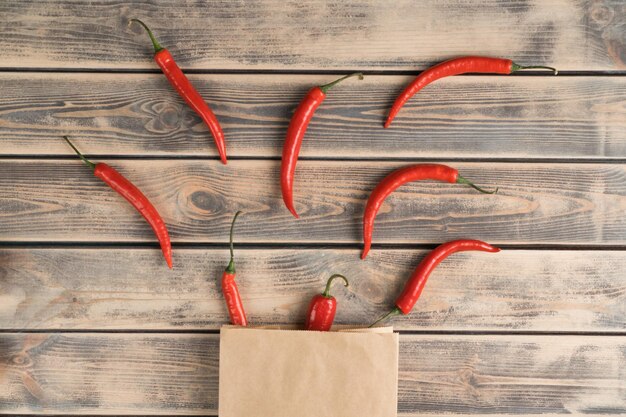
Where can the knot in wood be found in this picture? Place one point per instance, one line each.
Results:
(601, 14)
(21, 360)
(169, 117)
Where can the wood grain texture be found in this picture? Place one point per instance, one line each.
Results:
(438, 374)
(517, 118)
(461, 117)
(515, 290)
(273, 34)
(537, 203)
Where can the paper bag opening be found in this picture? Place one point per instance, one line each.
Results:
(291, 373)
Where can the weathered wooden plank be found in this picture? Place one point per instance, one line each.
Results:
(537, 203)
(273, 34)
(512, 375)
(516, 290)
(486, 117)
(177, 374)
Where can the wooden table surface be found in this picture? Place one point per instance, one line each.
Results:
(91, 320)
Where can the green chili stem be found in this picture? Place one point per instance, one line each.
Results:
(461, 180)
(395, 312)
(330, 85)
(515, 67)
(231, 265)
(155, 43)
(326, 292)
(85, 160)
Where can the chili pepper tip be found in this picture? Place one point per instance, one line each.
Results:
(326, 292)
(515, 67)
(155, 43)
(461, 180)
(395, 312)
(328, 86)
(293, 211)
(221, 149)
(80, 155)
(231, 265)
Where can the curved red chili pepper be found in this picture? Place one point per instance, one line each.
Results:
(229, 287)
(134, 196)
(400, 177)
(186, 90)
(415, 285)
(295, 133)
(473, 64)
(322, 309)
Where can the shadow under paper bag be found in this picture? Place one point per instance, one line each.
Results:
(287, 373)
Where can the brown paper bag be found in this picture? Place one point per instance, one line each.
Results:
(291, 373)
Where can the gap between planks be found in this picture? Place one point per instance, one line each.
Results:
(228, 71)
(289, 245)
(469, 333)
(192, 158)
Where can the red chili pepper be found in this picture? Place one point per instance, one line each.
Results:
(414, 287)
(134, 196)
(474, 64)
(185, 89)
(229, 287)
(400, 177)
(322, 308)
(295, 133)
